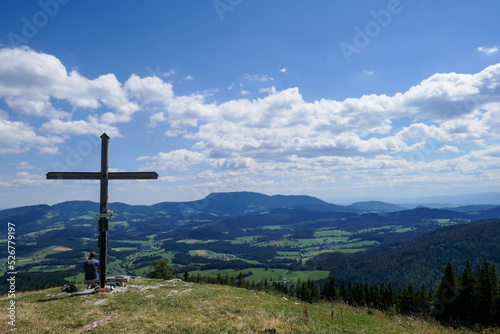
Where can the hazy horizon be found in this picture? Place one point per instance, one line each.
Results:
(432, 201)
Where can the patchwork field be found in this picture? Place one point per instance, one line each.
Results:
(272, 243)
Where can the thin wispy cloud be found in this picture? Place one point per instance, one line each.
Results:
(258, 77)
(448, 149)
(23, 165)
(268, 90)
(488, 50)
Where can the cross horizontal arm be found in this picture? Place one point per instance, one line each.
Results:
(97, 175)
(74, 175)
(133, 175)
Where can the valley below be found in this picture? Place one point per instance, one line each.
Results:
(275, 238)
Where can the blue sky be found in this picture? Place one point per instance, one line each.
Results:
(383, 99)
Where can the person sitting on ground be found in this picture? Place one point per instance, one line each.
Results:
(91, 267)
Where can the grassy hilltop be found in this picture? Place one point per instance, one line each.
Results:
(158, 306)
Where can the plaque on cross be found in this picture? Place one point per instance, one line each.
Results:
(104, 214)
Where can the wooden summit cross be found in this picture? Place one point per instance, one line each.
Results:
(104, 214)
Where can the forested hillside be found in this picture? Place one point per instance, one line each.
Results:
(420, 260)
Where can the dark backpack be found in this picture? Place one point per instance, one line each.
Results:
(69, 288)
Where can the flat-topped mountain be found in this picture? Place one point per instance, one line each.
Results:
(230, 231)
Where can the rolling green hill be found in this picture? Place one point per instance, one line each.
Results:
(293, 236)
(158, 306)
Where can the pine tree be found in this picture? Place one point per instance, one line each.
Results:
(241, 280)
(313, 287)
(368, 295)
(408, 304)
(376, 296)
(495, 312)
(343, 291)
(444, 308)
(497, 308)
(358, 294)
(466, 300)
(349, 297)
(300, 291)
(423, 301)
(390, 296)
(330, 291)
(162, 270)
(486, 286)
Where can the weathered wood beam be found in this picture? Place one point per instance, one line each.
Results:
(74, 175)
(133, 175)
(103, 221)
(97, 175)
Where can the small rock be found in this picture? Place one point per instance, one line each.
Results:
(100, 301)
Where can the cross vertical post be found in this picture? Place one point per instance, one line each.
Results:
(104, 214)
(103, 221)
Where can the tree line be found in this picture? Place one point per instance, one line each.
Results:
(469, 298)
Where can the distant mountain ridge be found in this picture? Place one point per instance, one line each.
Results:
(228, 204)
(376, 206)
(220, 204)
(489, 198)
(471, 208)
